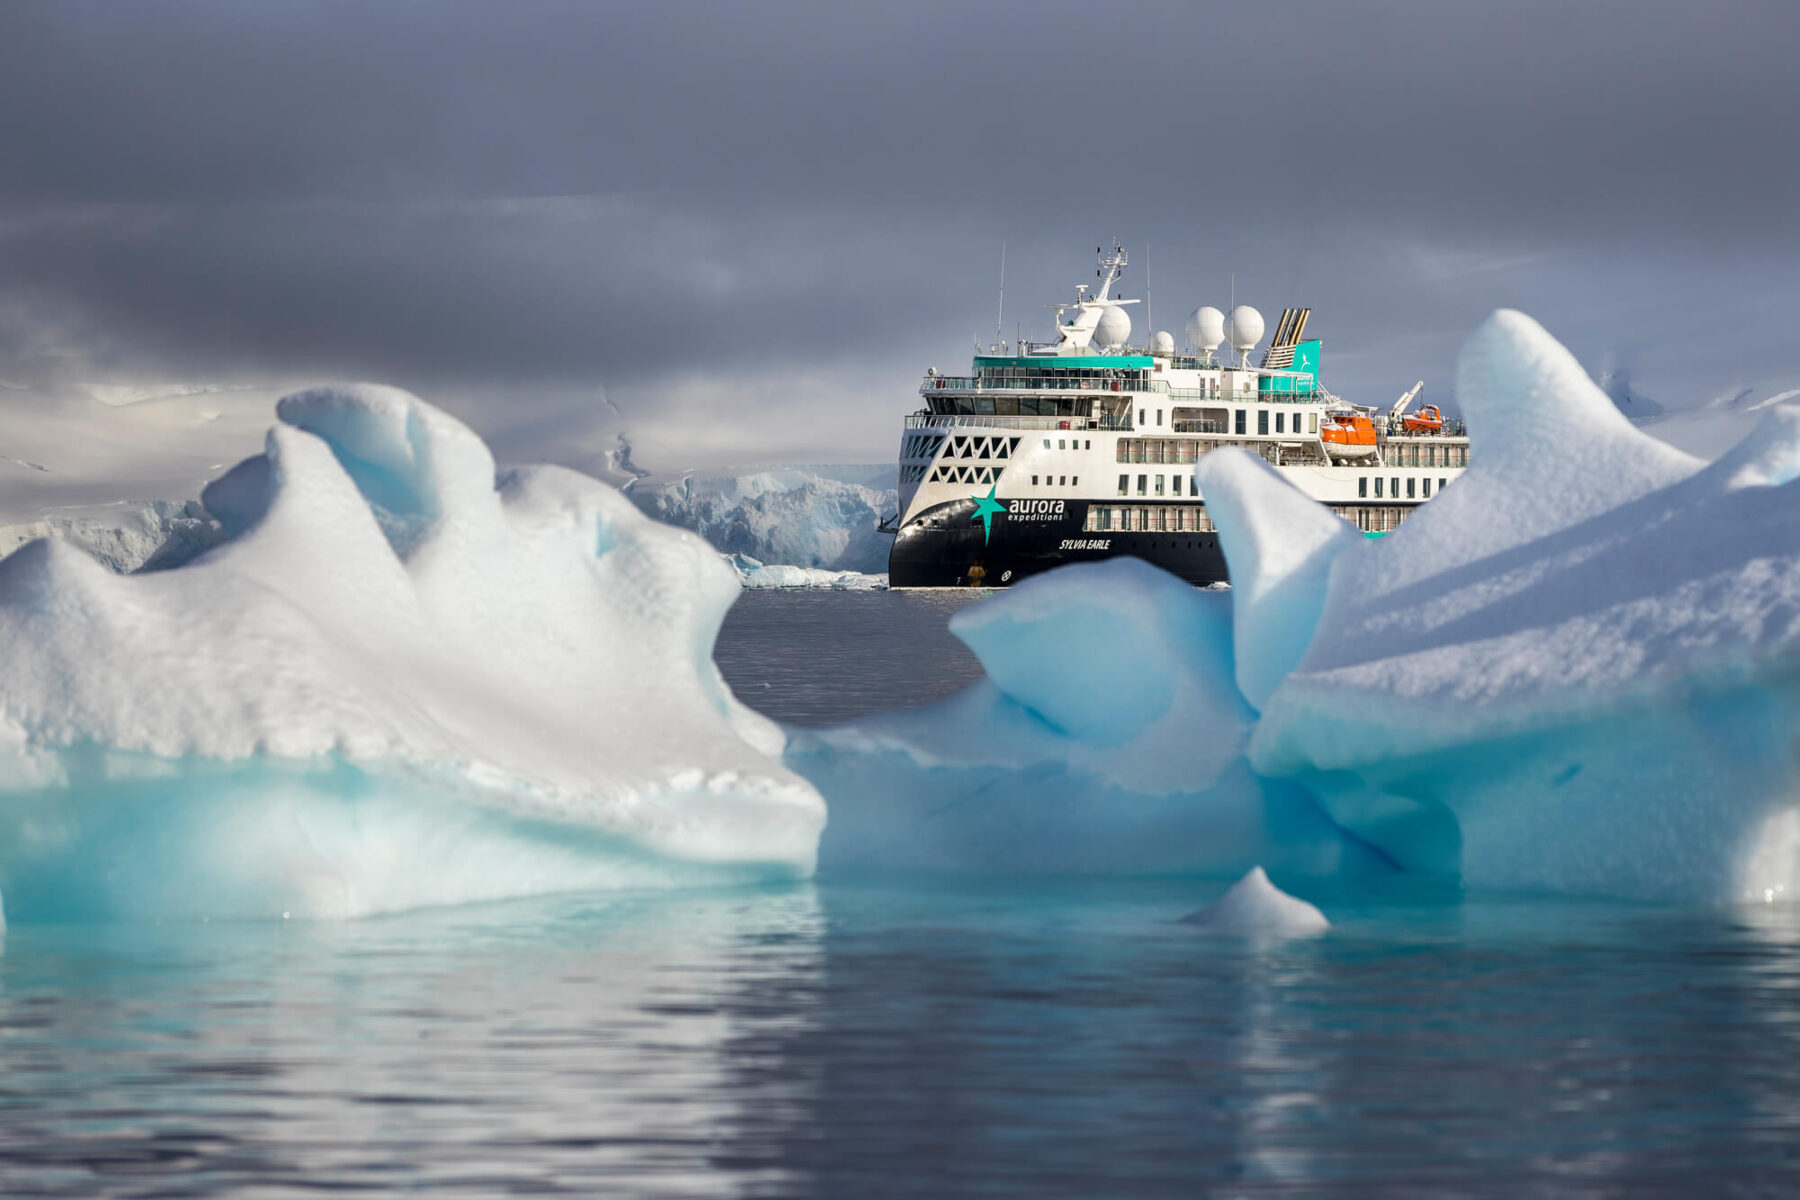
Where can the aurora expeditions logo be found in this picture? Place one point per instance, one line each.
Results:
(987, 508)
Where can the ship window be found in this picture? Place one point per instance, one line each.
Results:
(1124, 485)
(1065, 481)
(1409, 489)
(1143, 484)
(1441, 484)
(1362, 487)
(1427, 489)
(1141, 416)
(1074, 481)
(1034, 481)
(1240, 422)
(1378, 487)
(1193, 485)
(1280, 422)
(1088, 445)
(1159, 416)
(1396, 492)
(1262, 421)
(1312, 422)
(1046, 443)
(1159, 485)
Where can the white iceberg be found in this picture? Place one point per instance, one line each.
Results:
(759, 576)
(1255, 907)
(1572, 671)
(396, 683)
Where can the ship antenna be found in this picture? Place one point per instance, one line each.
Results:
(1000, 316)
(1149, 297)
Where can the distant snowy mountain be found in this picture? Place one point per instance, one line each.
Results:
(819, 517)
(130, 536)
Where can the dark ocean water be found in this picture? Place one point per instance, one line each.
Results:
(907, 1036)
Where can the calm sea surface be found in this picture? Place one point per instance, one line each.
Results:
(906, 1036)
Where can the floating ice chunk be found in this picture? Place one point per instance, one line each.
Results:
(395, 683)
(1254, 907)
(1107, 738)
(757, 576)
(1280, 545)
(1571, 670)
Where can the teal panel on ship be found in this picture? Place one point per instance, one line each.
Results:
(1306, 372)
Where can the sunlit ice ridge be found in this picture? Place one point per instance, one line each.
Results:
(402, 680)
(407, 679)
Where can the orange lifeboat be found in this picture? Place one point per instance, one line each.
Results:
(1348, 435)
(1427, 420)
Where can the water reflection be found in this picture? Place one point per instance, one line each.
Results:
(911, 1037)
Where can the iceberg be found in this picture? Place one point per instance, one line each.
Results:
(398, 680)
(1107, 737)
(759, 576)
(1573, 671)
(1254, 907)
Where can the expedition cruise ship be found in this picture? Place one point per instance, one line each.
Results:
(1084, 448)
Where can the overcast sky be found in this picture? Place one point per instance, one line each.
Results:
(741, 232)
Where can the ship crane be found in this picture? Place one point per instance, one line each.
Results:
(1399, 409)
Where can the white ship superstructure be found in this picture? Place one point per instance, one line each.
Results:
(1084, 447)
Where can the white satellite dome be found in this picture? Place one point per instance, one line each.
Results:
(1114, 329)
(1206, 328)
(1164, 342)
(1244, 327)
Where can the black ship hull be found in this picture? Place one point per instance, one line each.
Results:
(947, 546)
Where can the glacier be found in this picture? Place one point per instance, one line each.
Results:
(817, 518)
(399, 679)
(1573, 671)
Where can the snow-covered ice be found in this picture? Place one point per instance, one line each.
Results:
(1574, 670)
(759, 576)
(397, 682)
(792, 517)
(1255, 907)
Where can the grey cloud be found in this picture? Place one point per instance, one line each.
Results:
(514, 206)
